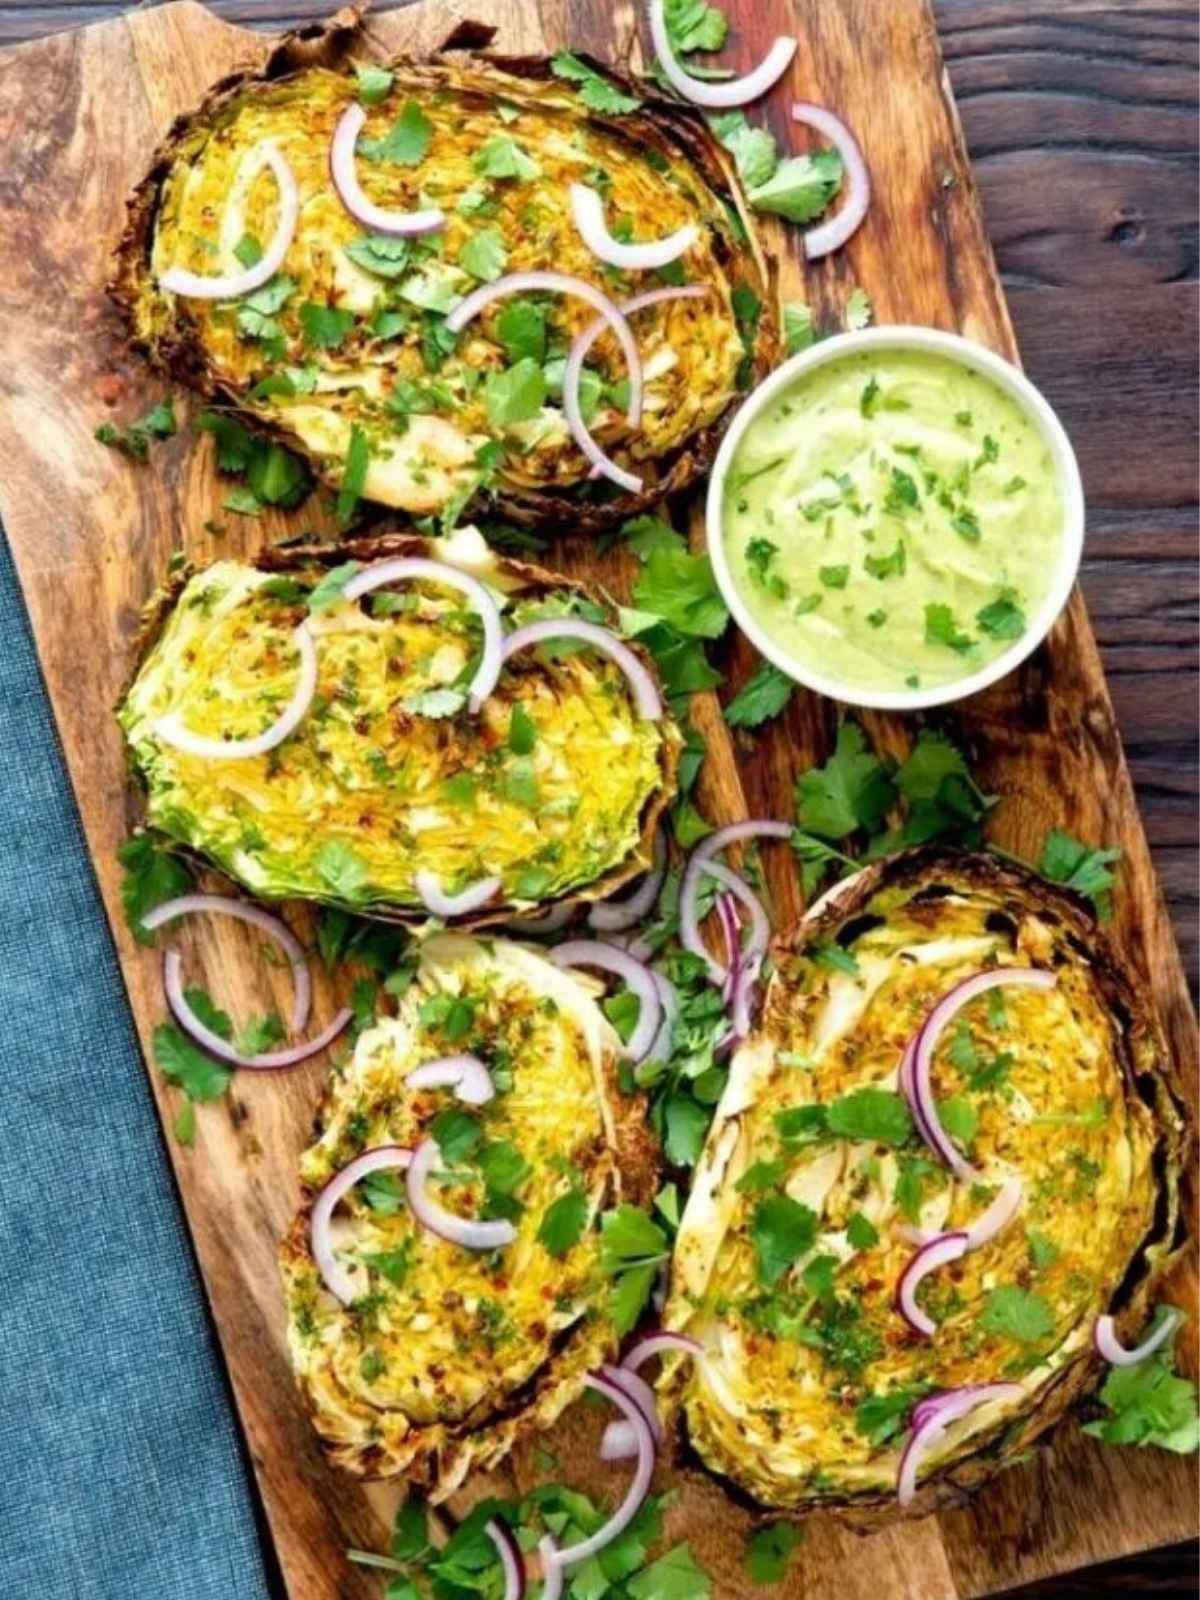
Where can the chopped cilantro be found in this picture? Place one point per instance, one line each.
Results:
(782, 1230)
(769, 1550)
(153, 874)
(406, 141)
(374, 83)
(941, 627)
(1015, 1313)
(158, 423)
(763, 696)
(1002, 619)
(1065, 860)
(325, 327)
(595, 90)
(801, 187)
(341, 869)
(563, 1223)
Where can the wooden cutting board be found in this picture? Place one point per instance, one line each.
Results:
(79, 116)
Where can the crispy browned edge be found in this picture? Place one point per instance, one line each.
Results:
(636, 1172)
(382, 546)
(665, 124)
(1146, 1068)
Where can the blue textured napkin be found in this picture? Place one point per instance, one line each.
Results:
(121, 1472)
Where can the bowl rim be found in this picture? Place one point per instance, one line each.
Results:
(968, 353)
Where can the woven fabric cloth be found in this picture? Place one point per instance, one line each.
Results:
(123, 1473)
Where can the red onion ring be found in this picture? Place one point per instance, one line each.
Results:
(717, 96)
(734, 833)
(937, 1413)
(585, 340)
(402, 567)
(827, 236)
(923, 1105)
(634, 974)
(620, 1440)
(587, 213)
(639, 1484)
(171, 730)
(334, 1276)
(470, 1233)
(271, 1061)
(429, 886)
(668, 996)
(645, 691)
(552, 1572)
(274, 927)
(510, 1558)
(465, 1074)
(1110, 1348)
(731, 931)
(615, 916)
(937, 1253)
(349, 191)
(760, 923)
(997, 1217)
(642, 1395)
(194, 286)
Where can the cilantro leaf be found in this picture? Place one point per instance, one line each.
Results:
(341, 869)
(680, 588)
(896, 562)
(674, 1576)
(1002, 619)
(374, 84)
(354, 477)
(695, 25)
(801, 187)
(852, 790)
(1015, 1313)
(504, 158)
(763, 696)
(1148, 1404)
(862, 1232)
(153, 874)
(259, 1034)
(859, 311)
(875, 1114)
(1065, 860)
(753, 149)
(325, 327)
(1043, 1251)
(515, 394)
(158, 423)
(941, 627)
(563, 1223)
(632, 1245)
(328, 591)
(595, 90)
(188, 1067)
(457, 1133)
(782, 1230)
(881, 1416)
(406, 141)
(521, 329)
(769, 1550)
(383, 254)
(484, 255)
(915, 1172)
(798, 330)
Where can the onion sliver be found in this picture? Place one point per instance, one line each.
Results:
(827, 236)
(429, 886)
(760, 923)
(937, 1253)
(642, 1395)
(403, 567)
(668, 996)
(274, 927)
(620, 1440)
(639, 1484)
(334, 1276)
(465, 1074)
(998, 1215)
(587, 212)
(936, 1415)
(270, 1061)
(558, 283)
(195, 286)
(636, 976)
(1104, 1337)
(345, 180)
(466, 1231)
(615, 916)
(923, 1105)
(734, 833)
(645, 691)
(172, 731)
(717, 96)
(510, 1558)
(552, 1572)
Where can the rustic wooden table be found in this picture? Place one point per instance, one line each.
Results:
(1081, 120)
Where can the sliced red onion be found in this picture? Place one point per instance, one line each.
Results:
(274, 927)
(620, 1438)
(645, 691)
(937, 1413)
(587, 212)
(634, 974)
(270, 1061)
(334, 1276)
(760, 923)
(345, 180)
(1110, 1348)
(717, 96)
(742, 1004)
(195, 286)
(171, 729)
(734, 833)
(731, 931)
(827, 236)
(401, 568)
(923, 1105)
(668, 996)
(552, 1572)
(429, 886)
(615, 916)
(510, 1558)
(642, 1395)
(559, 283)
(639, 1485)
(937, 1253)
(998, 1215)
(465, 1074)
(466, 1231)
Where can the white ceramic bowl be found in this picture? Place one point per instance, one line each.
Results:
(1035, 407)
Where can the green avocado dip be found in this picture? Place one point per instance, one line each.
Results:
(893, 519)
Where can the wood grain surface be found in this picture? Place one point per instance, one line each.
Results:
(92, 535)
